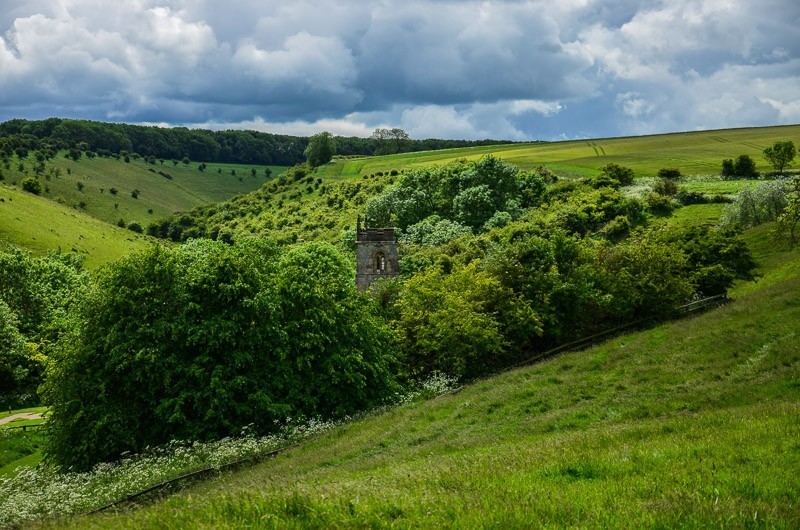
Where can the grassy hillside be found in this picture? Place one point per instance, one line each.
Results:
(87, 184)
(324, 203)
(694, 153)
(112, 192)
(41, 225)
(692, 423)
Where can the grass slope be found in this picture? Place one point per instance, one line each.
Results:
(323, 204)
(692, 423)
(187, 189)
(693, 153)
(40, 225)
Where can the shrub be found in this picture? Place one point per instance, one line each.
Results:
(669, 173)
(691, 197)
(660, 204)
(665, 186)
(32, 185)
(754, 206)
(745, 167)
(623, 175)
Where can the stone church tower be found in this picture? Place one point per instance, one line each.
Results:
(376, 255)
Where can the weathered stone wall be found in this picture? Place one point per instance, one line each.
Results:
(376, 256)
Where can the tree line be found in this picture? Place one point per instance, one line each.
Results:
(176, 143)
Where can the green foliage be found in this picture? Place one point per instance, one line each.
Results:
(434, 230)
(198, 341)
(669, 173)
(390, 141)
(780, 155)
(715, 258)
(789, 219)
(32, 185)
(743, 168)
(622, 175)
(321, 148)
(754, 206)
(584, 211)
(36, 296)
(659, 204)
(468, 193)
(665, 186)
(453, 322)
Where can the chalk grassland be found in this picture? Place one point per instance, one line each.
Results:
(86, 185)
(40, 225)
(692, 423)
(694, 153)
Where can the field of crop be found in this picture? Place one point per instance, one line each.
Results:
(691, 423)
(694, 153)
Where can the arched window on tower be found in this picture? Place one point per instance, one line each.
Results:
(380, 262)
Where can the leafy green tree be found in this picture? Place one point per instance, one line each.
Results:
(645, 278)
(321, 148)
(780, 154)
(474, 206)
(36, 296)
(197, 341)
(32, 185)
(390, 141)
(623, 175)
(13, 368)
(665, 186)
(714, 258)
(745, 167)
(434, 230)
(446, 322)
(728, 171)
(789, 219)
(337, 356)
(754, 206)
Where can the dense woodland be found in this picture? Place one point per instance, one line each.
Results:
(232, 146)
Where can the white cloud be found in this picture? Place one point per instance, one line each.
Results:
(503, 69)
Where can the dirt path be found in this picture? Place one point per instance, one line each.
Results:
(21, 416)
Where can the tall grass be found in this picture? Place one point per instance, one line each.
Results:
(47, 491)
(690, 424)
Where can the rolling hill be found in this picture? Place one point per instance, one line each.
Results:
(41, 225)
(691, 423)
(94, 194)
(325, 203)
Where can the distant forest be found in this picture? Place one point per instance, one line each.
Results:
(232, 146)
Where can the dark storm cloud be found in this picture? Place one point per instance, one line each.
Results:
(513, 69)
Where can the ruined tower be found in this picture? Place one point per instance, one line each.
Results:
(376, 255)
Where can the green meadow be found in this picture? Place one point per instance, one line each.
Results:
(104, 187)
(693, 423)
(81, 199)
(694, 153)
(40, 225)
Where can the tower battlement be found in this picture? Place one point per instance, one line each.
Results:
(376, 255)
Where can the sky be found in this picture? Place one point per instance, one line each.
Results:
(514, 70)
